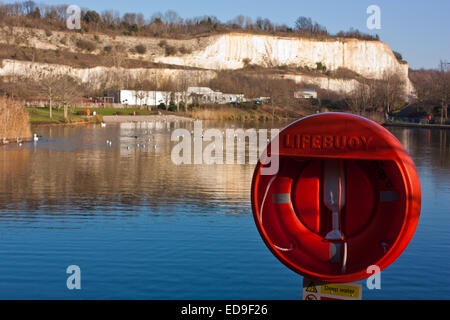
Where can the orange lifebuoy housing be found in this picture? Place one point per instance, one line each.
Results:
(346, 196)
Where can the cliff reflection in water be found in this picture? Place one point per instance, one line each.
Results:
(73, 170)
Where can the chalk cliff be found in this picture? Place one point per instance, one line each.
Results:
(370, 59)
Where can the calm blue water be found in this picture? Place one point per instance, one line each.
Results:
(141, 227)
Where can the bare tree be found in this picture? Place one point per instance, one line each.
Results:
(68, 92)
(359, 98)
(391, 89)
(49, 87)
(107, 17)
(28, 7)
(171, 17)
(249, 23)
(259, 23)
(443, 88)
(130, 18)
(140, 20)
(183, 85)
(118, 55)
(304, 24)
(141, 88)
(239, 20)
(267, 25)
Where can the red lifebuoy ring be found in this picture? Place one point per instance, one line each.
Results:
(346, 196)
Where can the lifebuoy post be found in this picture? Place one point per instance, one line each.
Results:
(346, 197)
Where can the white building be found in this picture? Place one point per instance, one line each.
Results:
(305, 94)
(142, 98)
(207, 95)
(200, 95)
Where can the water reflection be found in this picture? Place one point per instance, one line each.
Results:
(167, 231)
(74, 171)
(429, 147)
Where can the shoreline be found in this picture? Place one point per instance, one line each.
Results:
(147, 118)
(112, 119)
(416, 125)
(56, 124)
(117, 119)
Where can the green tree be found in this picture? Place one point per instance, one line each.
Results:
(92, 16)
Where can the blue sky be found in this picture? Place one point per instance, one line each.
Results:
(419, 30)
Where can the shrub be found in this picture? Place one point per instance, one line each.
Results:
(345, 73)
(141, 49)
(170, 50)
(320, 67)
(183, 50)
(86, 45)
(48, 33)
(398, 56)
(246, 62)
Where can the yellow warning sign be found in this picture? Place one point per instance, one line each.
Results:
(315, 290)
(341, 290)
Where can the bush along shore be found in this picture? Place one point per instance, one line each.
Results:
(14, 122)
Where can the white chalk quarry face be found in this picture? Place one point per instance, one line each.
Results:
(368, 58)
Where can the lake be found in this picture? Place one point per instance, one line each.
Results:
(141, 227)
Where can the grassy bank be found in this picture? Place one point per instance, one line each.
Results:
(38, 115)
(42, 116)
(14, 120)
